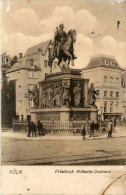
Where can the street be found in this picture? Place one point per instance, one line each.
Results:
(63, 152)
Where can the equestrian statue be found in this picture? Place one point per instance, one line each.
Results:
(62, 47)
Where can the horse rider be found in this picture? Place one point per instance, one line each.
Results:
(59, 39)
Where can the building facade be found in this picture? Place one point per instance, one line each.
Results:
(123, 95)
(28, 71)
(6, 63)
(105, 73)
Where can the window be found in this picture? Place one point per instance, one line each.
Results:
(112, 63)
(55, 64)
(20, 104)
(111, 106)
(97, 92)
(29, 74)
(105, 106)
(105, 93)
(117, 94)
(31, 103)
(111, 93)
(19, 89)
(22, 117)
(28, 117)
(46, 75)
(105, 79)
(32, 74)
(111, 79)
(117, 80)
(31, 87)
(106, 62)
(45, 63)
(31, 62)
(117, 106)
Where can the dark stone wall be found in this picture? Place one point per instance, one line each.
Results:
(80, 116)
(48, 116)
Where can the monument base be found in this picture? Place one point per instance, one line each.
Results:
(63, 102)
(64, 114)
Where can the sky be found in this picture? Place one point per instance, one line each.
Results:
(100, 26)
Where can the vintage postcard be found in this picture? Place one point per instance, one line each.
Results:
(63, 97)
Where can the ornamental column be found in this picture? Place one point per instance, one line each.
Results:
(85, 92)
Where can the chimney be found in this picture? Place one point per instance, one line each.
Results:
(20, 55)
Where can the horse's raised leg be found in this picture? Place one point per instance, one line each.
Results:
(69, 55)
(59, 61)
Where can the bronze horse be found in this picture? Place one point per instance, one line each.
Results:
(66, 50)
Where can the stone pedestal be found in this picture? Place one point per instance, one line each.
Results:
(65, 114)
(64, 96)
(93, 113)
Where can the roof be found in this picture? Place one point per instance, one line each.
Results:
(20, 64)
(103, 61)
(13, 57)
(40, 47)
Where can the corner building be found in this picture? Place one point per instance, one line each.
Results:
(27, 72)
(105, 73)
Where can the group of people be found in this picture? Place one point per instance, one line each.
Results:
(33, 128)
(95, 126)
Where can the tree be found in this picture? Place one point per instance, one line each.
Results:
(8, 102)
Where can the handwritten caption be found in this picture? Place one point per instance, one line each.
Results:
(82, 171)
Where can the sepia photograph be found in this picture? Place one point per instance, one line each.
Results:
(63, 85)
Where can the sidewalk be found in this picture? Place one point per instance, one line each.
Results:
(119, 132)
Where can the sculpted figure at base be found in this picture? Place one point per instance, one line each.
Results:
(92, 95)
(62, 48)
(77, 95)
(51, 96)
(66, 94)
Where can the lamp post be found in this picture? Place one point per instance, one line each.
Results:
(101, 119)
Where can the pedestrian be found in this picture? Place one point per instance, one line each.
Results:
(92, 127)
(110, 128)
(29, 129)
(33, 128)
(40, 128)
(83, 132)
(97, 125)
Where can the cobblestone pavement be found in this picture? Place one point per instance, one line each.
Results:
(63, 152)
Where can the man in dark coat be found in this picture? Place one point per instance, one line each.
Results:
(97, 125)
(92, 127)
(40, 128)
(83, 132)
(29, 129)
(110, 129)
(33, 128)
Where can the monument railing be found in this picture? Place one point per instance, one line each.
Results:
(62, 127)
(59, 127)
(53, 127)
(20, 125)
